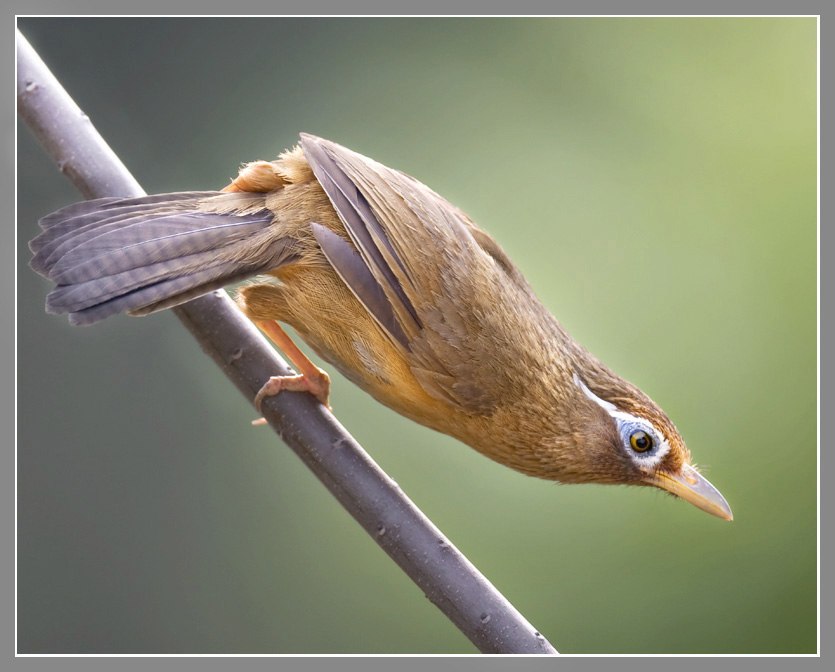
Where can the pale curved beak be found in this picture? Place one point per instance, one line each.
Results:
(691, 486)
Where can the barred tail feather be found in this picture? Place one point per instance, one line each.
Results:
(160, 295)
(69, 222)
(144, 254)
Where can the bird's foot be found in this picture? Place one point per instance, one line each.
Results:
(318, 383)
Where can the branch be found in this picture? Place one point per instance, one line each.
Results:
(447, 578)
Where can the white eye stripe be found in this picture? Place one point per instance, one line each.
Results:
(607, 406)
(628, 423)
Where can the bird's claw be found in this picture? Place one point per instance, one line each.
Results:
(318, 385)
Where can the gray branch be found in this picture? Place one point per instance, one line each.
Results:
(447, 578)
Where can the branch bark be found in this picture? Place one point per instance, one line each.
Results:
(441, 571)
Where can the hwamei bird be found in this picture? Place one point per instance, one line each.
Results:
(394, 287)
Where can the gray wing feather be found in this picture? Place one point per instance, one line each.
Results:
(362, 226)
(354, 272)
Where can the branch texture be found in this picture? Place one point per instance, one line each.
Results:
(447, 578)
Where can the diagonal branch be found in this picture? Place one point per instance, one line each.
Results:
(447, 578)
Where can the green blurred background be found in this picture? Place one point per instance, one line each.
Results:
(655, 179)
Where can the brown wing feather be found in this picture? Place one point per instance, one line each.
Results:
(442, 276)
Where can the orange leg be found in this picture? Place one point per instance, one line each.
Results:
(310, 379)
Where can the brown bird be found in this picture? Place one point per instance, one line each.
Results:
(392, 285)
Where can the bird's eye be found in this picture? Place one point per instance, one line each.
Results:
(640, 441)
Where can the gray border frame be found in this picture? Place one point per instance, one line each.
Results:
(371, 7)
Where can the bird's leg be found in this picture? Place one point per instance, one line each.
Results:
(310, 378)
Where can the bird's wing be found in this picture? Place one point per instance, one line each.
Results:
(441, 289)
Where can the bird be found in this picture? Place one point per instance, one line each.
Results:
(395, 288)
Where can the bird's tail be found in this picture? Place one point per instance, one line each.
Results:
(140, 255)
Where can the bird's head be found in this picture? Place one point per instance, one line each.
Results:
(628, 439)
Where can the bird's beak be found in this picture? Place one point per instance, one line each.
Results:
(691, 486)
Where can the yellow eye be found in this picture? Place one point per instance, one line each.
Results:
(640, 441)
